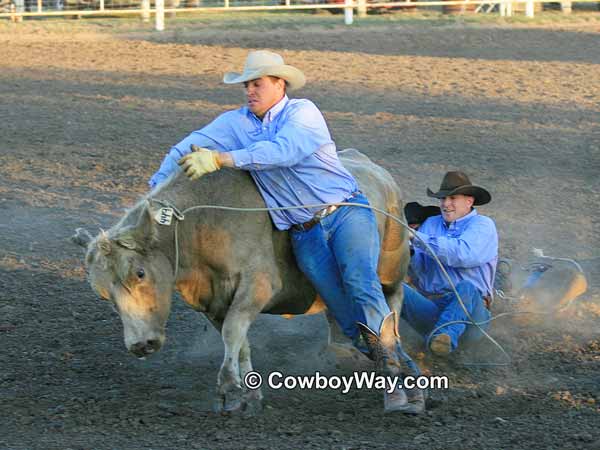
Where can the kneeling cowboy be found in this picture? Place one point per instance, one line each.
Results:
(466, 243)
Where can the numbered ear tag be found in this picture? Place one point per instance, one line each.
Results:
(164, 216)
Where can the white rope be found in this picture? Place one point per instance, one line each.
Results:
(180, 216)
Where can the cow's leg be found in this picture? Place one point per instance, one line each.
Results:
(394, 298)
(229, 384)
(231, 394)
(228, 379)
(253, 397)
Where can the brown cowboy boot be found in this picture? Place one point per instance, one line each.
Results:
(383, 350)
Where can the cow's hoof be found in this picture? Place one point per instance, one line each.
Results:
(227, 406)
(253, 403)
(217, 406)
(234, 402)
(229, 401)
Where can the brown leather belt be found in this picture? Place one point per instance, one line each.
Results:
(487, 301)
(320, 215)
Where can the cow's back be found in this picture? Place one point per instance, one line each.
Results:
(237, 243)
(383, 193)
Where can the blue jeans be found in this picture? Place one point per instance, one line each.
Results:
(339, 256)
(426, 315)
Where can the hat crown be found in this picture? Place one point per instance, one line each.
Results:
(263, 63)
(262, 58)
(455, 183)
(453, 180)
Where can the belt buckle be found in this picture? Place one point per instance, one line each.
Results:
(321, 213)
(325, 212)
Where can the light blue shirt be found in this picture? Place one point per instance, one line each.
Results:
(467, 247)
(290, 155)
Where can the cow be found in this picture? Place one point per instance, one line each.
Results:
(229, 265)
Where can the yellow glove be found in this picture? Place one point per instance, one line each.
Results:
(200, 162)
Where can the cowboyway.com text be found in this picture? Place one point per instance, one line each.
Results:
(358, 380)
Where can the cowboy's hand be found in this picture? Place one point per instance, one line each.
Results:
(199, 162)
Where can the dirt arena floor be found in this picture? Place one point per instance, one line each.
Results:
(89, 109)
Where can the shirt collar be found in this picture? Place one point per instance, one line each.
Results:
(273, 112)
(460, 222)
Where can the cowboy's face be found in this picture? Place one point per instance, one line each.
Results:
(263, 93)
(456, 206)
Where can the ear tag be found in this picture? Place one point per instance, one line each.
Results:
(164, 216)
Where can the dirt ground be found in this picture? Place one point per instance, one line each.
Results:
(88, 110)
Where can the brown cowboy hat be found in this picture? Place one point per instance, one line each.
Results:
(455, 183)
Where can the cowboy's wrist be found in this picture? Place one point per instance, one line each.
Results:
(223, 159)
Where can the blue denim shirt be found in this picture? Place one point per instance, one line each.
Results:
(290, 155)
(467, 247)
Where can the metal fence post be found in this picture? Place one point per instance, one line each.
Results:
(160, 15)
(362, 8)
(529, 9)
(348, 12)
(506, 8)
(146, 10)
(566, 6)
(101, 5)
(17, 6)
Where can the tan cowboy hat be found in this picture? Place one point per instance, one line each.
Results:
(262, 63)
(455, 183)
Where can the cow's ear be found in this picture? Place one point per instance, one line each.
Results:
(127, 240)
(146, 228)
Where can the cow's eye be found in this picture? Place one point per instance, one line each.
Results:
(140, 273)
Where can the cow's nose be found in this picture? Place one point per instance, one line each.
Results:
(146, 348)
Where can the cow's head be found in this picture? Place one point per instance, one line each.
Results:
(127, 267)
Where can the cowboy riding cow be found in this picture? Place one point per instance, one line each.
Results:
(234, 267)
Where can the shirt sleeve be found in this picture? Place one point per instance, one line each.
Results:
(477, 245)
(215, 136)
(303, 132)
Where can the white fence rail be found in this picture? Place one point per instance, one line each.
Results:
(18, 9)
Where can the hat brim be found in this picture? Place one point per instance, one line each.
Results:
(295, 78)
(480, 194)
